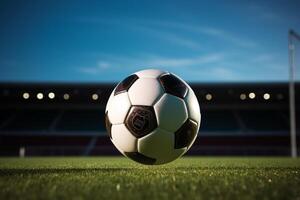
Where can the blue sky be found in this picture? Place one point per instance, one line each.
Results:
(104, 41)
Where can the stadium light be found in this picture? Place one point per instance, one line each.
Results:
(243, 96)
(40, 96)
(66, 96)
(51, 95)
(26, 95)
(252, 95)
(208, 97)
(95, 97)
(267, 96)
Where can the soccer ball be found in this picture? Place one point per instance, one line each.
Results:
(152, 117)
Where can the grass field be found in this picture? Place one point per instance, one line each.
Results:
(120, 178)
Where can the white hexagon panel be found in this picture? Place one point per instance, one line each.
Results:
(171, 112)
(150, 73)
(123, 139)
(145, 91)
(192, 105)
(118, 107)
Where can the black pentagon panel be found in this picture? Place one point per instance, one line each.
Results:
(141, 120)
(108, 125)
(185, 134)
(124, 85)
(138, 157)
(173, 85)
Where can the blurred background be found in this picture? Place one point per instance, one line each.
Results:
(59, 61)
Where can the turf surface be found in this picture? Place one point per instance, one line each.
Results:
(120, 178)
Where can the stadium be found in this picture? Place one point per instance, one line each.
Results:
(72, 123)
(60, 62)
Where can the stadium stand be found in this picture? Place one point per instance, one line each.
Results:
(237, 119)
(36, 120)
(221, 121)
(82, 120)
(265, 120)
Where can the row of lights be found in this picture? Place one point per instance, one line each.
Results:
(51, 95)
(252, 95)
(243, 96)
(95, 97)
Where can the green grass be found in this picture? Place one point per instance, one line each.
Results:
(119, 178)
